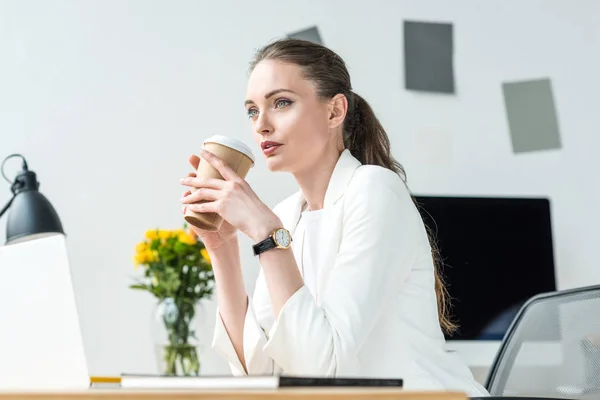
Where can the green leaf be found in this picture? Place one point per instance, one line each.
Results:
(139, 287)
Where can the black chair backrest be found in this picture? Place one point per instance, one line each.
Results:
(552, 348)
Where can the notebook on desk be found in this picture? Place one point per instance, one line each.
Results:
(133, 381)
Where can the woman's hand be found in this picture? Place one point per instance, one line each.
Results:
(212, 240)
(233, 199)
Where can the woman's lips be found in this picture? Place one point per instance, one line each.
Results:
(270, 149)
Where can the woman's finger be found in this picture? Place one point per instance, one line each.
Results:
(208, 207)
(196, 182)
(224, 169)
(184, 194)
(194, 161)
(187, 192)
(202, 194)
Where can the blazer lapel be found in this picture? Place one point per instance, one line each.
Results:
(342, 174)
(331, 223)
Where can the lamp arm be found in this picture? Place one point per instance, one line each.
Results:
(14, 185)
(6, 206)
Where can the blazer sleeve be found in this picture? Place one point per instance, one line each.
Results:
(381, 230)
(259, 320)
(257, 324)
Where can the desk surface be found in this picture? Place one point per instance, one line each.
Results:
(283, 394)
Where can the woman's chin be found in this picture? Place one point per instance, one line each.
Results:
(272, 165)
(275, 164)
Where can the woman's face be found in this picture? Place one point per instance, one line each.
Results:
(289, 122)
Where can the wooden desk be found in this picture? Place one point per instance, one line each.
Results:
(282, 394)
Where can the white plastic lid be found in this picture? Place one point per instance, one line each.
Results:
(232, 143)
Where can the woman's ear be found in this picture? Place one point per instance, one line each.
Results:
(338, 107)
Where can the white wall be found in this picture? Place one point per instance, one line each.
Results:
(107, 99)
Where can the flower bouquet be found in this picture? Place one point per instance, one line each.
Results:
(178, 273)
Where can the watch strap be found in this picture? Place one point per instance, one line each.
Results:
(267, 244)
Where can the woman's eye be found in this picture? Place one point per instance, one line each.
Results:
(252, 112)
(282, 103)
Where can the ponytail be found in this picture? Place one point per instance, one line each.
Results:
(365, 137)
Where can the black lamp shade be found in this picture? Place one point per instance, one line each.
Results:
(31, 216)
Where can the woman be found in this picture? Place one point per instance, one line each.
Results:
(356, 293)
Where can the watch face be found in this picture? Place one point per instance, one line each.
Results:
(282, 237)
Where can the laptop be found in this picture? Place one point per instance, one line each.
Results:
(41, 345)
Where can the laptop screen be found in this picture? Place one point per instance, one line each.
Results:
(41, 344)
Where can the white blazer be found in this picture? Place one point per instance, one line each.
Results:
(374, 313)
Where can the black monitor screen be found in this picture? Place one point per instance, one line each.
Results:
(495, 253)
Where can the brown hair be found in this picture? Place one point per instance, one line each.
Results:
(363, 134)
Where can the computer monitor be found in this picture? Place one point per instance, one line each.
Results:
(496, 253)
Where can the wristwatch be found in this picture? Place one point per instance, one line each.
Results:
(279, 239)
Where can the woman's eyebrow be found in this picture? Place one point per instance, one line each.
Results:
(270, 94)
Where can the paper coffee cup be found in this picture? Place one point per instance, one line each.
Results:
(238, 156)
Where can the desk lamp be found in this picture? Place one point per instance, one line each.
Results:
(31, 214)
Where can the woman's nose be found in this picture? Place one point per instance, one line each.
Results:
(263, 125)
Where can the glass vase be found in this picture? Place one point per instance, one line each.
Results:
(176, 344)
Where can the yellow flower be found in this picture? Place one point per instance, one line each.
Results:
(141, 247)
(163, 234)
(139, 259)
(151, 256)
(152, 234)
(186, 238)
(205, 254)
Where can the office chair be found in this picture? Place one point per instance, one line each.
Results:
(552, 349)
